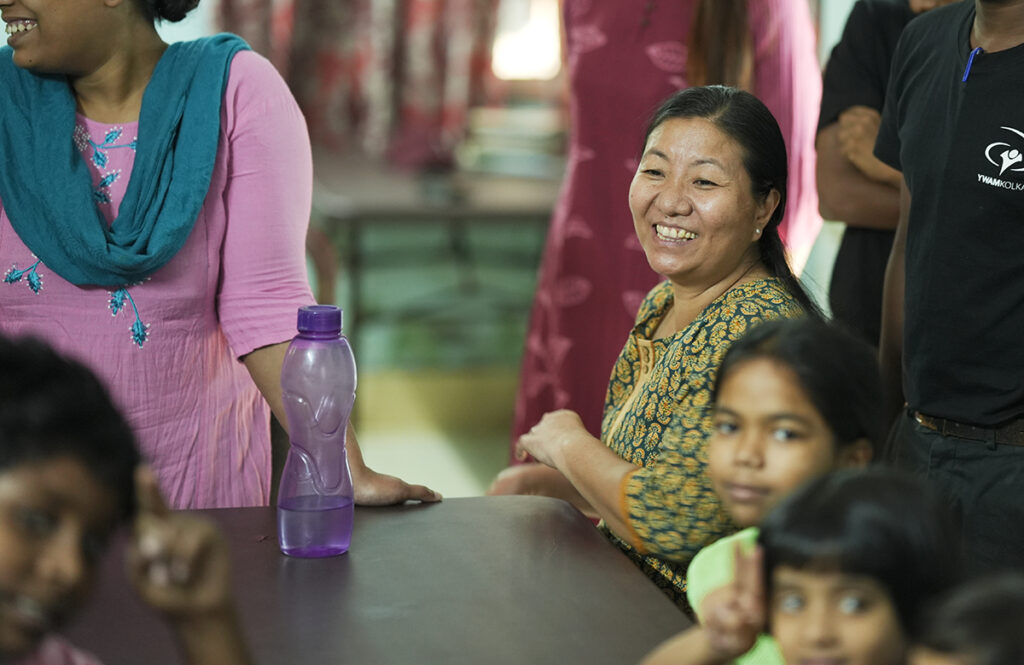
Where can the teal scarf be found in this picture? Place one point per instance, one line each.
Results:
(46, 188)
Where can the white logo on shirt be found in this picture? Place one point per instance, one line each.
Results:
(1004, 155)
(1007, 157)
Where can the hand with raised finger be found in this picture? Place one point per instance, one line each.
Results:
(179, 563)
(734, 615)
(180, 566)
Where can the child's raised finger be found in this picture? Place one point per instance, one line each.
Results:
(749, 578)
(147, 493)
(750, 581)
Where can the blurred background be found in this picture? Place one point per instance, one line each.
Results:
(438, 129)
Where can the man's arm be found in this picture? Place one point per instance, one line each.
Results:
(890, 343)
(854, 186)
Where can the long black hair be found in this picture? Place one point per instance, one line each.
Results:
(879, 523)
(167, 10)
(746, 120)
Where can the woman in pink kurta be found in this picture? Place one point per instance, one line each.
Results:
(622, 62)
(170, 347)
(234, 287)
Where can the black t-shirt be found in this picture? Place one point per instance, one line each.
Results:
(857, 72)
(960, 145)
(856, 75)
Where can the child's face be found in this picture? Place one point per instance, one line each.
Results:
(768, 439)
(55, 521)
(832, 618)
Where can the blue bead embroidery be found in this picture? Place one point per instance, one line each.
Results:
(31, 275)
(139, 330)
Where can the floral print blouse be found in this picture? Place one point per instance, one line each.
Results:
(657, 416)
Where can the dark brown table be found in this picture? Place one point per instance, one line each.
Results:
(475, 581)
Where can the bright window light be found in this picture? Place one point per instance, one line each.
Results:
(527, 45)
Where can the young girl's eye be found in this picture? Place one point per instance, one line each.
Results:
(785, 434)
(789, 602)
(852, 604)
(36, 522)
(725, 427)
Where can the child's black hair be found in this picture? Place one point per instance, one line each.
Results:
(879, 523)
(52, 406)
(982, 620)
(837, 371)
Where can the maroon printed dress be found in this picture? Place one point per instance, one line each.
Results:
(594, 273)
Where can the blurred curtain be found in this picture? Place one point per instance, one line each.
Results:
(391, 78)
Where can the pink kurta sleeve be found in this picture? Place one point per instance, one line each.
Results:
(787, 78)
(267, 205)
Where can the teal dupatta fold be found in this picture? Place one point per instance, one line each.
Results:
(46, 188)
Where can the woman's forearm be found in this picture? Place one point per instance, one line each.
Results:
(597, 473)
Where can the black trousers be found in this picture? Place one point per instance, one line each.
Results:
(983, 483)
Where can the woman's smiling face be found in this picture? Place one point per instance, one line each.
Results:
(59, 36)
(693, 206)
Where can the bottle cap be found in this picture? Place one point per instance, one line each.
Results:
(320, 319)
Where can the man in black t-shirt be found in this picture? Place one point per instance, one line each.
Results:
(954, 304)
(853, 185)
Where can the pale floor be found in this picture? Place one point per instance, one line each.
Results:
(448, 427)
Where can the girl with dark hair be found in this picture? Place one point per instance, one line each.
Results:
(844, 569)
(706, 202)
(168, 186)
(794, 399)
(69, 477)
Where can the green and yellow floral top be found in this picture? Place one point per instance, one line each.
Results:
(656, 416)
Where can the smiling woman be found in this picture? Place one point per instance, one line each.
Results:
(707, 199)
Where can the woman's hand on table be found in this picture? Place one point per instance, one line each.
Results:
(379, 489)
(546, 439)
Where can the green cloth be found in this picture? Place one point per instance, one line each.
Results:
(713, 568)
(46, 187)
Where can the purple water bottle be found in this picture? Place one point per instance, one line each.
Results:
(318, 381)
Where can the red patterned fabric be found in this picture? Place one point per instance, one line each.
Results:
(388, 78)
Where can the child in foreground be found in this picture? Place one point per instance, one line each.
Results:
(794, 399)
(980, 623)
(844, 568)
(69, 476)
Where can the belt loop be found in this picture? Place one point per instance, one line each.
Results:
(990, 438)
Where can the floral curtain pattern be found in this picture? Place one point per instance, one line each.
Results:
(391, 78)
